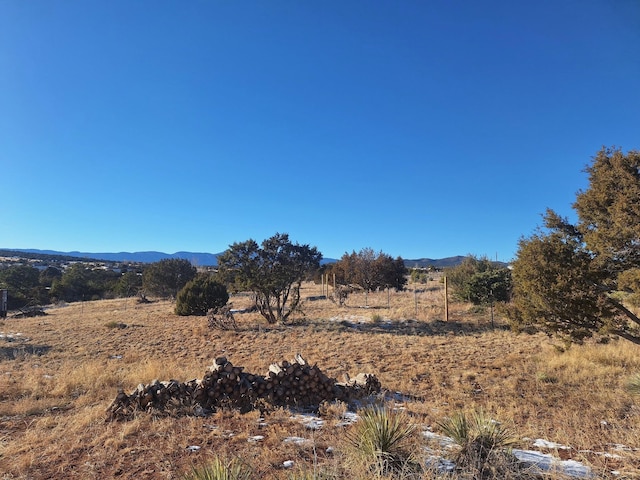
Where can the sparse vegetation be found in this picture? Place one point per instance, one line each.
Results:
(62, 371)
(115, 324)
(633, 384)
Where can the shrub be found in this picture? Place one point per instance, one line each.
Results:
(115, 324)
(483, 442)
(200, 295)
(384, 440)
(336, 410)
(544, 377)
(221, 469)
(633, 384)
(311, 475)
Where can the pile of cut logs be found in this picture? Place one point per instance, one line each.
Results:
(294, 383)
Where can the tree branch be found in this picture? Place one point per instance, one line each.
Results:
(630, 315)
(627, 336)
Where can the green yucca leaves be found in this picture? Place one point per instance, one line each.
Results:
(479, 437)
(383, 438)
(221, 469)
(307, 475)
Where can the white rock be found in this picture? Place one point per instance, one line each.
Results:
(296, 440)
(546, 462)
(540, 443)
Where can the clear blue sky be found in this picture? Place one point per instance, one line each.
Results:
(417, 128)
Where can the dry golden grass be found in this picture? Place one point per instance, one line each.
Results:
(58, 377)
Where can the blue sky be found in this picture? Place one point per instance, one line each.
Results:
(416, 128)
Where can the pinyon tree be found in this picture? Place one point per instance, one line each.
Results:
(273, 271)
(480, 281)
(166, 278)
(200, 295)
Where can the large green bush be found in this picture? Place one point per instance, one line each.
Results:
(480, 281)
(200, 295)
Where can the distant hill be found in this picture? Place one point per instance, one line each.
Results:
(199, 259)
(430, 262)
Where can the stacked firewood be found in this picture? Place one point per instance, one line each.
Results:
(297, 383)
(363, 385)
(294, 383)
(225, 384)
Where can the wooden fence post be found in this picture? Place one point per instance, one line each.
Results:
(446, 300)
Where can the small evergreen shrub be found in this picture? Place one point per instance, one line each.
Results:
(200, 295)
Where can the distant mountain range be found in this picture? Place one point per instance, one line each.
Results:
(198, 259)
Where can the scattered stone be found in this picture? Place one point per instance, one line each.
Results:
(295, 440)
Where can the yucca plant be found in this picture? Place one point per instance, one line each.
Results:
(311, 475)
(482, 440)
(633, 384)
(220, 469)
(384, 440)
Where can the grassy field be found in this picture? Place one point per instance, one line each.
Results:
(60, 372)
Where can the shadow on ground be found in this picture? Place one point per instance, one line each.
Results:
(404, 327)
(13, 352)
(412, 327)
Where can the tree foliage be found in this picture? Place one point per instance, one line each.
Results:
(49, 275)
(129, 284)
(81, 282)
(480, 281)
(609, 210)
(23, 285)
(370, 270)
(200, 295)
(273, 271)
(566, 276)
(167, 277)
